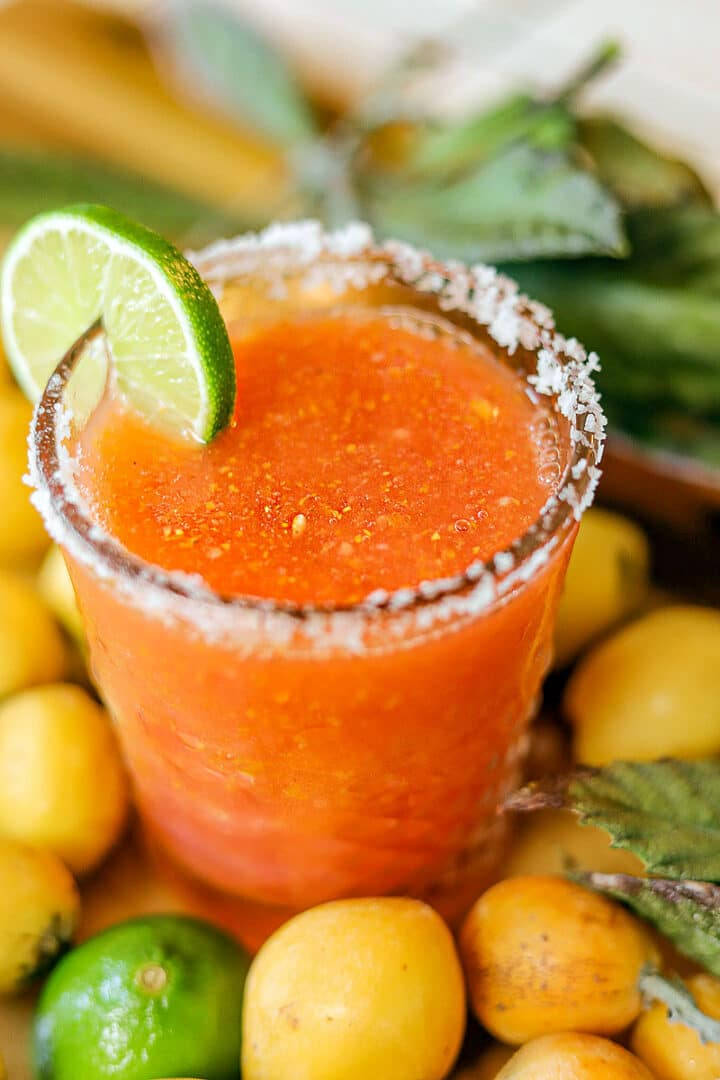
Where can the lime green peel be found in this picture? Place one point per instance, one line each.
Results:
(170, 351)
(159, 995)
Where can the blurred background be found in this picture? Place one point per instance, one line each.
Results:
(574, 142)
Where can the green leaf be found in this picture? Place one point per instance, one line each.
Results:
(443, 149)
(32, 182)
(654, 320)
(523, 204)
(666, 812)
(221, 55)
(685, 912)
(677, 246)
(639, 175)
(657, 342)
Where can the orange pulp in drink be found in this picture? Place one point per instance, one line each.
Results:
(361, 456)
(365, 454)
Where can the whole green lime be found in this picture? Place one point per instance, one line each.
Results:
(151, 997)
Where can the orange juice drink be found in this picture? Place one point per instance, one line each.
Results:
(323, 634)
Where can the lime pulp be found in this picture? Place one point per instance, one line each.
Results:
(170, 351)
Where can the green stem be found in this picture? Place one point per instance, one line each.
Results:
(322, 171)
(604, 57)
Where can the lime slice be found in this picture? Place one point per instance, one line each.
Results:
(171, 355)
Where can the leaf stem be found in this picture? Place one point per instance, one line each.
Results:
(322, 171)
(607, 54)
(681, 1005)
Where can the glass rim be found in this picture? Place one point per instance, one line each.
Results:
(349, 258)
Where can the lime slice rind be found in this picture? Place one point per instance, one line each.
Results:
(171, 356)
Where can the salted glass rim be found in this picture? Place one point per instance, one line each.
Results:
(349, 258)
